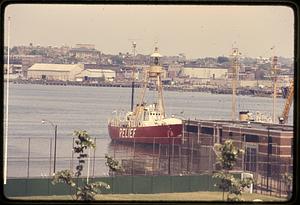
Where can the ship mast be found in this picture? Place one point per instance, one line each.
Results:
(133, 76)
(154, 72)
(274, 76)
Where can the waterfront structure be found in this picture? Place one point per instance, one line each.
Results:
(63, 72)
(96, 75)
(267, 146)
(208, 73)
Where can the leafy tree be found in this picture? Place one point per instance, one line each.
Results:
(113, 165)
(227, 155)
(222, 59)
(37, 52)
(89, 190)
(117, 60)
(14, 50)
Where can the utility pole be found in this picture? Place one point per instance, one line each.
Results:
(7, 99)
(235, 71)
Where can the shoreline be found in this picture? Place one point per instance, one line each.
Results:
(226, 91)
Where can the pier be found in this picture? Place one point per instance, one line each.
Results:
(268, 147)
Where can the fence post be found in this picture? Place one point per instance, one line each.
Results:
(180, 157)
(72, 159)
(192, 155)
(209, 161)
(28, 164)
(169, 157)
(159, 145)
(50, 156)
(152, 184)
(187, 152)
(199, 155)
(173, 156)
(280, 185)
(153, 152)
(132, 177)
(94, 158)
(28, 158)
(261, 183)
(171, 183)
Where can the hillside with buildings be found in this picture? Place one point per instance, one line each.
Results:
(86, 64)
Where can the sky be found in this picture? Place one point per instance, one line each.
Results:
(196, 31)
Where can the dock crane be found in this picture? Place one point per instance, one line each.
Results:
(289, 100)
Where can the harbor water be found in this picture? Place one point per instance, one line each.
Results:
(89, 108)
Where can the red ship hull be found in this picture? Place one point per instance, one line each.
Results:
(163, 134)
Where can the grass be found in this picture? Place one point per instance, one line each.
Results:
(187, 196)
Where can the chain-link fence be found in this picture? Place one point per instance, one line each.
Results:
(35, 157)
(39, 157)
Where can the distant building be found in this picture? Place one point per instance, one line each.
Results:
(13, 69)
(85, 45)
(64, 72)
(96, 75)
(139, 72)
(210, 73)
(26, 61)
(173, 70)
(247, 76)
(82, 51)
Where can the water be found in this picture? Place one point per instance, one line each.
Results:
(88, 108)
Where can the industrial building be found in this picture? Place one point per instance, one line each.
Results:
(62, 72)
(207, 73)
(96, 75)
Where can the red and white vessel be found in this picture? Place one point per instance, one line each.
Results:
(147, 123)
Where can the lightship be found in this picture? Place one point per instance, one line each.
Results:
(147, 123)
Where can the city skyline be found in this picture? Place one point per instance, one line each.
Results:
(196, 31)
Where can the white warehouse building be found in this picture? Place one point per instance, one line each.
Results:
(96, 74)
(64, 72)
(206, 73)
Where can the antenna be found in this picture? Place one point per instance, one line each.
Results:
(6, 111)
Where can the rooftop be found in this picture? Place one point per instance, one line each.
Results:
(95, 73)
(248, 124)
(53, 67)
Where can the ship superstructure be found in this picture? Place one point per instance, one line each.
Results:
(147, 123)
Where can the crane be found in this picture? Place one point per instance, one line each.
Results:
(285, 113)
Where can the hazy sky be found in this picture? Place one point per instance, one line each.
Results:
(197, 31)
